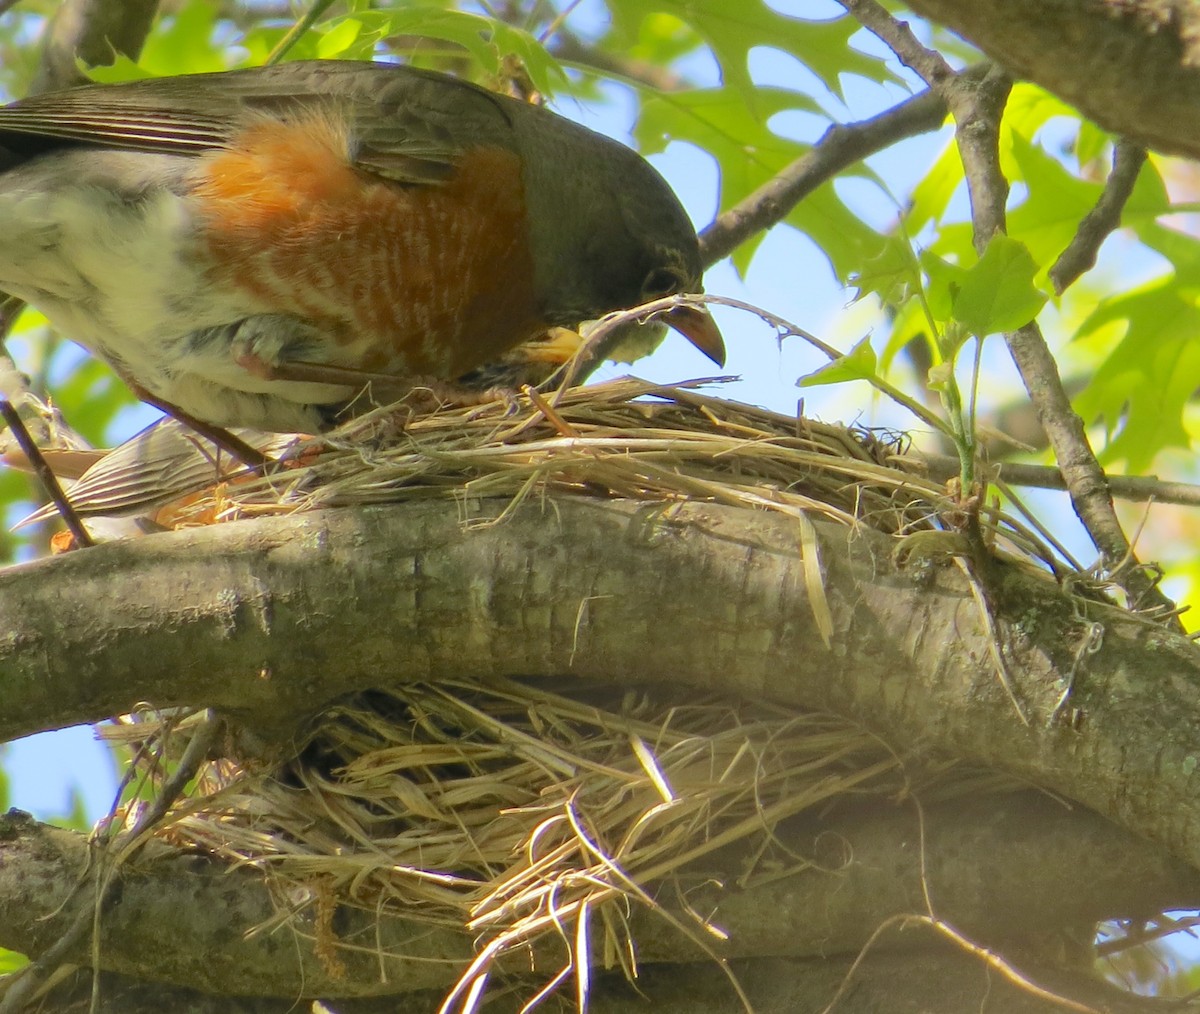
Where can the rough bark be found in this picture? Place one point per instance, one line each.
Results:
(1015, 872)
(270, 620)
(943, 982)
(1133, 66)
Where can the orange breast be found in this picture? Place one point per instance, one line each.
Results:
(423, 279)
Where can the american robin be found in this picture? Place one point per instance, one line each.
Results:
(252, 246)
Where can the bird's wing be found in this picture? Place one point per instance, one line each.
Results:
(405, 123)
(162, 463)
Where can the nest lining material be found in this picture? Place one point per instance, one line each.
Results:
(513, 810)
(623, 438)
(516, 812)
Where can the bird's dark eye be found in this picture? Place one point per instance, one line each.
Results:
(661, 282)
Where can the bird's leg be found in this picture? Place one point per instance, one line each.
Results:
(379, 386)
(320, 373)
(249, 456)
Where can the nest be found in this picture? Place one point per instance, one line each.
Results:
(515, 810)
(625, 438)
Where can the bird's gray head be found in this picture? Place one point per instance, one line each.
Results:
(608, 231)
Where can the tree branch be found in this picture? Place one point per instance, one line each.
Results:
(1138, 488)
(93, 31)
(977, 107)
(1102, 220)
(269, 621)
(928, 64)
(938, 982)
(1032, 863)
(841, 146)
(24, 982)
(571, 49)
(1133, 66)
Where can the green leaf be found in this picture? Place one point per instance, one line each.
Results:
(11, 961)
(940, 377)
(1181, 249)
(1057, 201)
(488, 40)
(844, 238)
(732, 28)
(1090, 142)
(657, 40)
(932, 194)
(121, 69)
(1149, 198)
(76, 817)
(944, 280)
(91, 396)
(179, 43)
(339, 40)
(1029, 108)
(749, 154)
(997, 294)
(909, 324)
(1141, 388)
(719, 121)
(955, 243)
(858, 364)
(893, 274)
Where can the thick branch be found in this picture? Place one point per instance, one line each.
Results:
(269, 620)
(1133, 66)
(1009, 871)
(939, 982)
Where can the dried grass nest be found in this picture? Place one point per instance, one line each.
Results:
(513, 810)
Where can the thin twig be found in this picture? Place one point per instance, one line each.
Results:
(557, 22)
(571, 49)
(302, 25)
(927, 64)
(45, 474)
(990, 958)
(32, 975)
(1164, 926)
(231, 443)
(1103, 219)
(1138, 488)
(786, 329)
(195, 754)
(842, 145)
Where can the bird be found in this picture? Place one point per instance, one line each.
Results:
(254, 248)
(160, 466)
